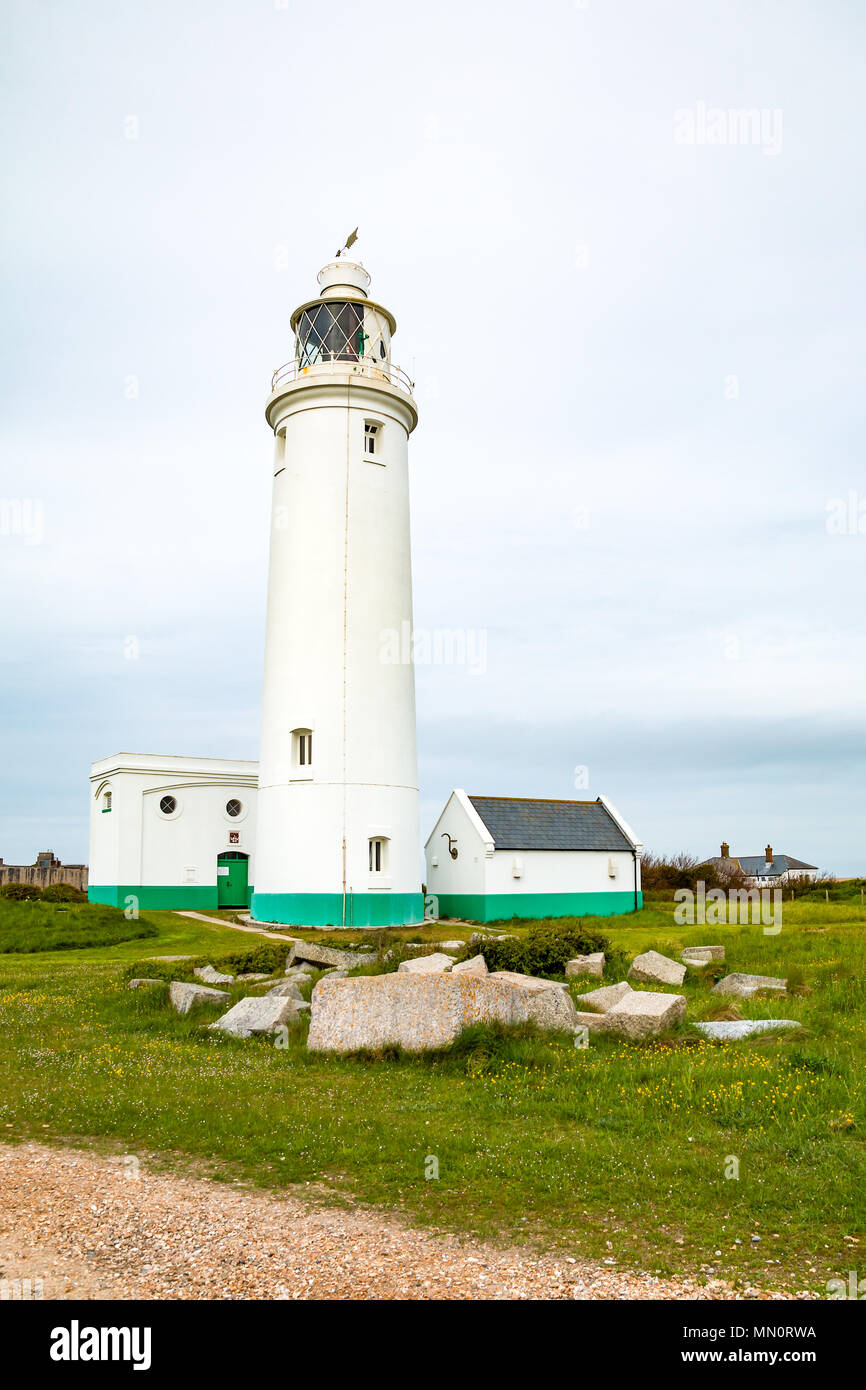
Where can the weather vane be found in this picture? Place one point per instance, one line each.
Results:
(350, 241)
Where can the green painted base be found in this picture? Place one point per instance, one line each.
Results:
(498, 907)
(188, 896)
(326, 909)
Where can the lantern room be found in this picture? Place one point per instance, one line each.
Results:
(343, 325)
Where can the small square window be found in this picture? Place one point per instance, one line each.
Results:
(371, 436)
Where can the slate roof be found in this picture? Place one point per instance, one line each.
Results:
(756, 866)
(517, 822)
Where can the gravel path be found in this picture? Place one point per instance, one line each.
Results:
(92, 1227)
(235, 926)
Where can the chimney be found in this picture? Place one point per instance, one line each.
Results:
(769, 853)
(726, 850)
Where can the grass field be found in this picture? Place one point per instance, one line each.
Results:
(619, 1151)
(44, 926)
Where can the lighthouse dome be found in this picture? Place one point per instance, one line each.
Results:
(340, 277)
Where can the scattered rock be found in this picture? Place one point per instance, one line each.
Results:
(586, 965)
(335, 974)
(604, 998)
(330, 955)
(743, 1028)
(477, 965)
(744, 986)
(702, 953)
(211, 976)
(594, 1023)
(257, 1016)
(644, 1015)
(139, 984)
(184, 996)
(548, 1002)
(170, 958)
(530, 982)
(549, 1008)
(286, 989)
(652, 968)
(426, 965)
(420, 1011)
(251, 979)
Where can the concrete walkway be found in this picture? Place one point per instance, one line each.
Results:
(235, 926)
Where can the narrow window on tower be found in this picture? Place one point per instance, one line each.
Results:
(302, 751)
(377, 851)
(371, 438)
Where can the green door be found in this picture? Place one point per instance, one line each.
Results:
(232, 879)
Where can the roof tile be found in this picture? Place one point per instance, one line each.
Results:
(522, 823)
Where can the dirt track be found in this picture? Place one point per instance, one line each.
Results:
(95, 1228)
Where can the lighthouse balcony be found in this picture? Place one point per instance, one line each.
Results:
(339, 367)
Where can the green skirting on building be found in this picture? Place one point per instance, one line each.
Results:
(327, 909)
(499, 907)
(173, 897)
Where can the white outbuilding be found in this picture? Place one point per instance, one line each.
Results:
(169, 832)
(491, 858)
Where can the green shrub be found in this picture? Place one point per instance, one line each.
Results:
(21, 892)
(262, 958)
(257, 959)
(660, 876)
(544, 949)
(63, 893)
(826, 889)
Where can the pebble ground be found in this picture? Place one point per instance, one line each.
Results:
(91, 1227)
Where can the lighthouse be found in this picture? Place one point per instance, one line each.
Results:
(338, 835)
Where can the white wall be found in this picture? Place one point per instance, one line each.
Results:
(135, 843)
(560, 871)
(466, 873)
(339, 578)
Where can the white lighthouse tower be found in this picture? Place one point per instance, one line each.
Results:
(338, 836)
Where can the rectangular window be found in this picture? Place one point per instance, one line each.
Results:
(371, 433)
(305, 750)
(375, 856)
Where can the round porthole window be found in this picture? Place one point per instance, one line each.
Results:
(168, 805)
(234, 807)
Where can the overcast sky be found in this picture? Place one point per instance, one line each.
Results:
(639, 354)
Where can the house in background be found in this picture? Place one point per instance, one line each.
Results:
(491, 858)
(766, 870)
